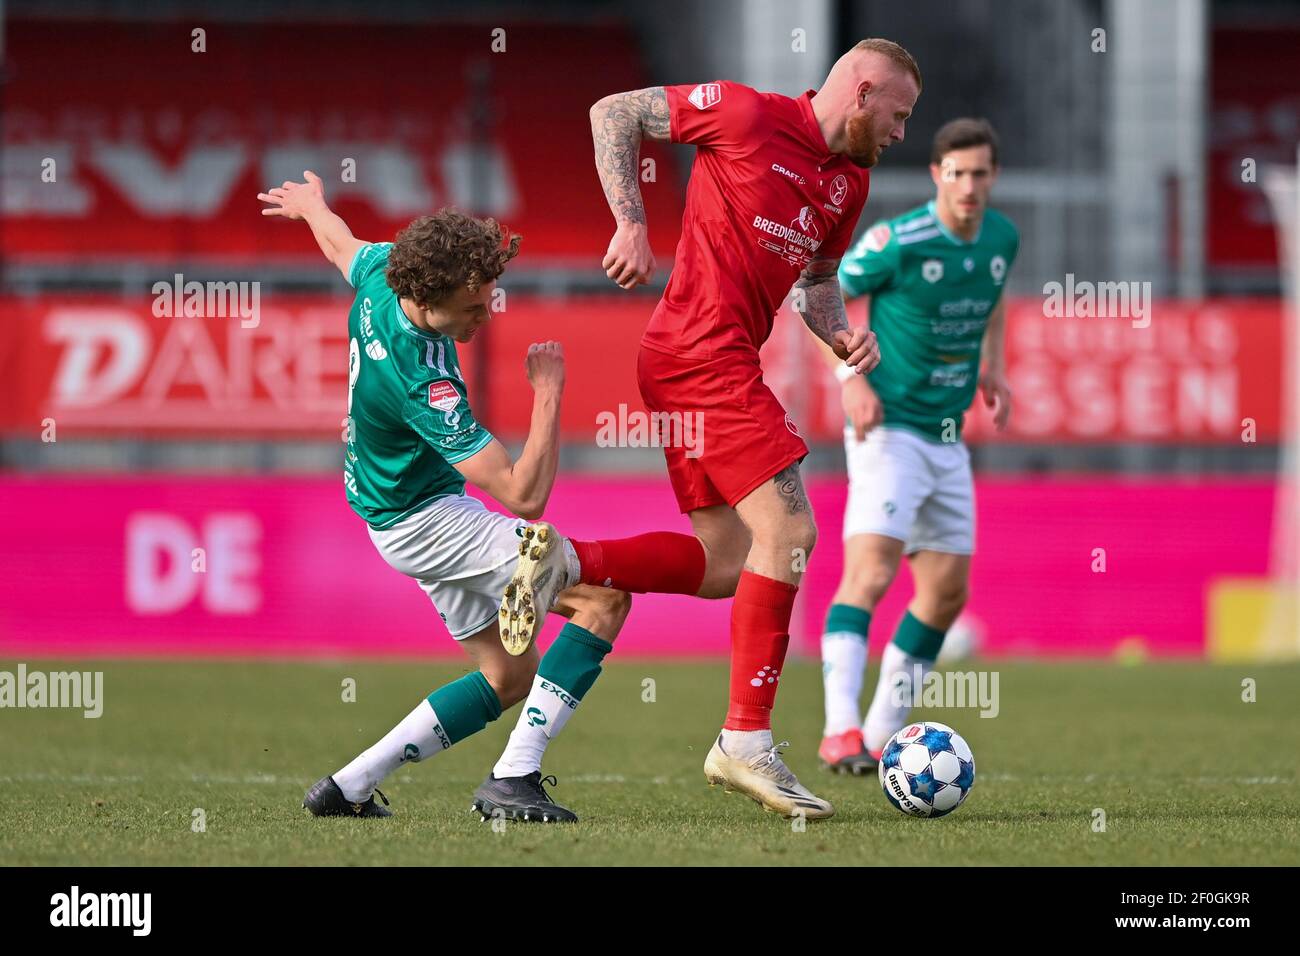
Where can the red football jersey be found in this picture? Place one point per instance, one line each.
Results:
(766, 195)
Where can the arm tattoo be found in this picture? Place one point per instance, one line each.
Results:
(820, 301)
(790, 487)
(618, 124)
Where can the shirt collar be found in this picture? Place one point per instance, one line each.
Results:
(408, 326)
(948, 233)
(813, 129)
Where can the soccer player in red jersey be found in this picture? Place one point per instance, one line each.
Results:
(775, 193)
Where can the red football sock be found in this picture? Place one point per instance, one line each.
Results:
(760, 634)
(661, 562)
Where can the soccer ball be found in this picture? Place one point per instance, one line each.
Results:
(926, 769)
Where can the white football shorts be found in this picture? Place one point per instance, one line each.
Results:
(905, 487)
(462, 554)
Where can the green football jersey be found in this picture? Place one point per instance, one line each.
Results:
(931, 297)
(409, 419)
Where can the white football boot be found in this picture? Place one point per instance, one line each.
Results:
(766, 779)
(540, 575)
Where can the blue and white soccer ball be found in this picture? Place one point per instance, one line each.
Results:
(927, 770)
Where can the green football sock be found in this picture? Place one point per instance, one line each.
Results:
(450, 714)
(567, 671)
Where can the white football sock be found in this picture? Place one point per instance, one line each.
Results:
(844, 657)
(885, 716)
(544, 714)
(418, 736)
(746, 743)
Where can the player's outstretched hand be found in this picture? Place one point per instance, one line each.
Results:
(997, 396)
(545, 366)
(295, 200)
(862, 406)
(858, 347)
(629, 261)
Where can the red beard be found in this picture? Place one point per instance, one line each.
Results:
(861, 148)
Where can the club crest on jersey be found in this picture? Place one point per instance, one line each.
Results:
(443, 396)
(998, 269)
(877, 238)
(839, 189)
(932, 270)
(705, 95)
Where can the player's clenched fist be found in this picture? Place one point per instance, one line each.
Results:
(858, 348)
(629, 261)
(545, 365)
(295, 200)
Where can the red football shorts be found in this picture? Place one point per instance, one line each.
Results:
(722, 430)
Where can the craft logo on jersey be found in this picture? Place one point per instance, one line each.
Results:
(788, 173)
(705, 95)
(839, 189)
(932, 270)
(443, 396)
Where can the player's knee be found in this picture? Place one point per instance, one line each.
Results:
(795, 535)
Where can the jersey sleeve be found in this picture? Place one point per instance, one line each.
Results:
(720, 115)
(871, 264)
(438, 411)
(368, 259)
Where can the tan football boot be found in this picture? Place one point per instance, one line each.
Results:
(539, 576)
(765, 779)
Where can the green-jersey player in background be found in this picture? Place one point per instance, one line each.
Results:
(934, 277)
(412, 443)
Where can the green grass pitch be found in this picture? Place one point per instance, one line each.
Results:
(1185, 771)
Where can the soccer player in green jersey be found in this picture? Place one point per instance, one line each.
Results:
(934, 277)
(412, 444)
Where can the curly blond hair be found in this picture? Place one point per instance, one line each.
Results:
(436, 255)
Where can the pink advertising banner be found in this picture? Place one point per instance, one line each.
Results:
(281, 567)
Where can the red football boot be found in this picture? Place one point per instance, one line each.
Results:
(846, 753)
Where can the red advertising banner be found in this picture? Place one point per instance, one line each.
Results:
(282, 567)
(1194, 375)
(121, 139)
